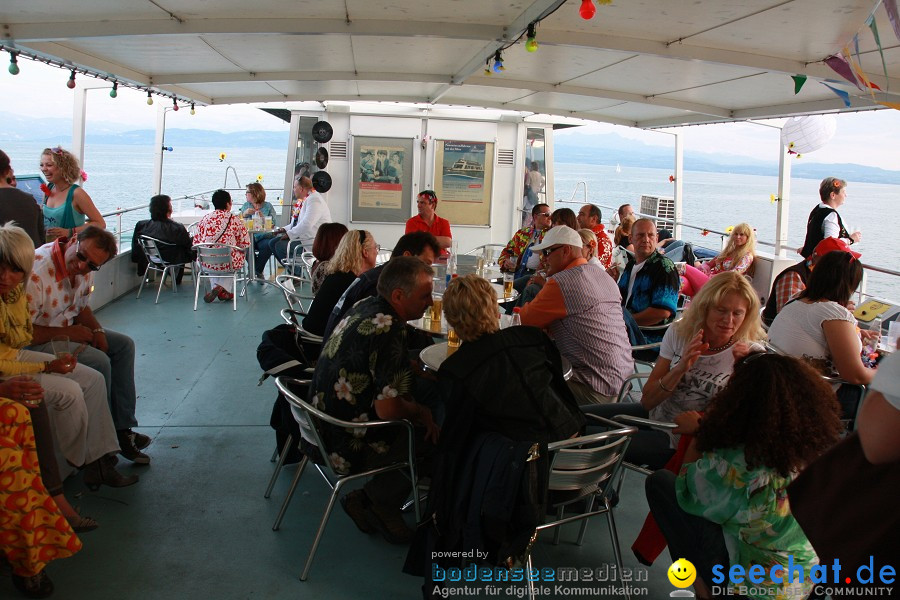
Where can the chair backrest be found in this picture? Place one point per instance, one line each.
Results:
(627, 388)
(291, 286)
(215, 254)
(292, 318)
(308, 260)
(151, 250)
(584, 464)
(383, 256)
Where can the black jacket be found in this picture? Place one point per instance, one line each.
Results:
(166, 231)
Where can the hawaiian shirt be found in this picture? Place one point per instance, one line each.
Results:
(53, 300)
(753, 509)
(520, 241)
(365, 359)
(222, 227)
(604, 246)
(656, 286)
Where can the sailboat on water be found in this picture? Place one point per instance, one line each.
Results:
(618, 168)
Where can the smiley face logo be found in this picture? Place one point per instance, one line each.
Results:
(682, 573)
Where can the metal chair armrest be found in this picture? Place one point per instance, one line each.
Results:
(642, 422)
(594, 437)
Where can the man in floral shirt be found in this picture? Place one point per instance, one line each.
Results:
(364, 374)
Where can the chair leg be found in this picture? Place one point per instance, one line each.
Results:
(143, 281)
(196, 290)
(321, 530)
(290, 494)
(530, 583)
(162, 282)
(284, 453)
(560, 513)
(584, 522)
(235, 292)
(614, 535)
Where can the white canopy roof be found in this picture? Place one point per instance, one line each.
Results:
(644, 63)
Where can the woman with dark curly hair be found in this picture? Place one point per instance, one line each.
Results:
(775, 416)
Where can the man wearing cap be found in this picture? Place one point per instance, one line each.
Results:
(427, 220)
(579, 306)
(589, 217)
(792, 280)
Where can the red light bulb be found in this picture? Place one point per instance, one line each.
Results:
(587, 10)
(71, 82)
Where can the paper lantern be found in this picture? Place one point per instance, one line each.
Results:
(801, 135)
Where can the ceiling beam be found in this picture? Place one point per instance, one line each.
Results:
(32, 32)
(243, 76)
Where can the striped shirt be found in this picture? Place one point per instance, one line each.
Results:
(581, 307)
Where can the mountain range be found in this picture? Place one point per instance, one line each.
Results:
(594, 148)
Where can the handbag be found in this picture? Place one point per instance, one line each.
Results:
(848, 508)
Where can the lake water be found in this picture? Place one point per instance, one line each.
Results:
(121, 176)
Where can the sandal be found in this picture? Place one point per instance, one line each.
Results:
(36, 586)
(225, 295)
(82, 524)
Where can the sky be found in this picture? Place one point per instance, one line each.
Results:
(867, 137)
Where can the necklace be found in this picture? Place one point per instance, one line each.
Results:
(722, 347)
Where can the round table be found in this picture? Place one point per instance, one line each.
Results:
(433, 356)
(498, 289)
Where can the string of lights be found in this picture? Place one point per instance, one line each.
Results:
(494, 63)
(14, 69)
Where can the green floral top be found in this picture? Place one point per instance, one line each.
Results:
(752, 508)
(365, 359)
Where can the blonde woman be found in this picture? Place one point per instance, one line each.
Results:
(67, 207)
(738, 256)
(695, 361)
(355, 254)
(589, 246)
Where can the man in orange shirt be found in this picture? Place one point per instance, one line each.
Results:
(427, 220)
(580, 306)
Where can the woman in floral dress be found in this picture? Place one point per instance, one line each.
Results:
(729, 505)
(223, 227)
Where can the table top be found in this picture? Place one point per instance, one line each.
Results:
(498, 289)
(433, 356)
(439, 328)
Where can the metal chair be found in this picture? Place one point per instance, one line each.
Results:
(312, 423)
(495, 250)
(293, 259)
(155, 262)
(215, 255)
(291, 286)
(582, 470)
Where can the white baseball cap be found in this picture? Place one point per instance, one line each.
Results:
(561, 235)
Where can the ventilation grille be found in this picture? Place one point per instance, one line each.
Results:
(506, 158)
(338, 150)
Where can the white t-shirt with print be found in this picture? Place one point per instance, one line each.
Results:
(797, 331)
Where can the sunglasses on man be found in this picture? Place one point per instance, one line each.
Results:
(80, 256)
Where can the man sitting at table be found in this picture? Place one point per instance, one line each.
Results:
(589, 217)
(419, 244)
(427, 220)
(518, 257)
(649, 284)
(58, 293)
(364, 374)
(579, 305)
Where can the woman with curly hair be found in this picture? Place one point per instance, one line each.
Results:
(66, 205)
(354, 255)
(775, 416)
(738, 255)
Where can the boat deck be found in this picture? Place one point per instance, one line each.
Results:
(197, 525)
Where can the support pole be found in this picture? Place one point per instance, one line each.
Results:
(784, 203)
(679, 185)
(158, 151)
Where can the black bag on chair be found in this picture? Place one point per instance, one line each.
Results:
(280, 353)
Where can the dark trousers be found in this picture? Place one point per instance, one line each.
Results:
(691, 537)
(43, 443)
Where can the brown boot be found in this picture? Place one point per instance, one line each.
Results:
(103, 471)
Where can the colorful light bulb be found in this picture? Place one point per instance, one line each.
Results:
(587, 10)
(149, 98)
(115, 90)
(13, 64)
(71, 82)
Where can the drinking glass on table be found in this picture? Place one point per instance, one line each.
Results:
(453, 341)
(437, 307)
(508, 279)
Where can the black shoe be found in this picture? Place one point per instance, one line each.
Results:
(141, 441)
(355, 504)
(390, 523)
(103, 472)
(36, 586)
(129, 449)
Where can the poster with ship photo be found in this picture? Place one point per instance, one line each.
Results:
(381, 193)
(463, 174)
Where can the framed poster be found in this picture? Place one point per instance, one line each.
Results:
(463, 181)
(382, 188)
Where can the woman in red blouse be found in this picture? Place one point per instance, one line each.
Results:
(222, 227)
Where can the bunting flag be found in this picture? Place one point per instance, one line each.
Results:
(874, 28)
(894, 105)
(857, 68)
(844, 96)
(799, 80)
(890, 6)
(840, 66)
